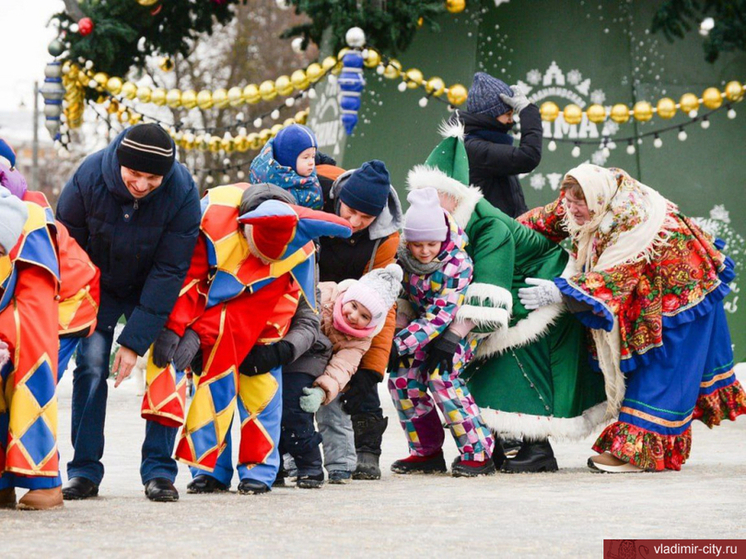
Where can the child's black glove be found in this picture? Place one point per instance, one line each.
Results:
(361, 383)
(440, 353)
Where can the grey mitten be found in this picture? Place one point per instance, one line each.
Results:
(312, 398)
(186, 350)
(165, 347)
(518, 101)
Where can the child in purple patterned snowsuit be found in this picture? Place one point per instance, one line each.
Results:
(437, 271)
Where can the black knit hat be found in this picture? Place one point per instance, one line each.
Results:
(367, 189)
(147, 148)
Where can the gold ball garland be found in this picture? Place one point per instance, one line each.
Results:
(642, 111)
(267, 90)
(596, 113)
(435, 86)
(373, 59)
(251, 94)
(173, 98)
(204, 99)
(189, 99)
(159, 96)
(734, 91)
(220, 98)
(619, 113)
(457, 94)
(549, 111)
(666, 108)
(712, 98)
(235, 97)
(455, 6)
(689, 102)
(572, 114)
(143, 94)
(114, 85)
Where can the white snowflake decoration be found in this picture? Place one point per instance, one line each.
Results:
(598, 97)
(537, 181)
(598, 158)
(533, 77)
(720, 213)
(574, 77)
(610, 128)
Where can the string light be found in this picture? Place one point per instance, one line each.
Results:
(682, 134)
(552, 146)
(576, 151)
(657, 142)
(631, 148)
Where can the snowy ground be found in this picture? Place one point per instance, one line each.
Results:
(565, 514)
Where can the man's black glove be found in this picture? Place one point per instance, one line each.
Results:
(186, 350)
(361, 383)
(164, 347)
(394, 358)
(263, 358)
(440, 353)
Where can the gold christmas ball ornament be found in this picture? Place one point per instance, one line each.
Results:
(642, 111)
(101, 78)
(189, 99)
(549, 111)
(283, 86)
(712, 98)
(373, 59)
(113, 107)
(214, 144)
(572, 114)
(144, 93)
(301, 117)
(666, 108)
(329, 62)
(435, 86)
(596, 113)
(414, 78)
(455, 6)
(159, 96)
(173, 98)
(275, 129)
(135, 118)
(114, 85)
(228, 145)
(299, 80)
(147, 2)
(254, 141)
(457, 94)
(204, 99)
(242, 143)
(166, 64)
(689, 102)
(734, 91)
(288, 122)
(251, 94)
(392, 70)
(235, 97)
(420, 22)
(314, 72)
(129, 90)
(619, 113)
(267, 90)
(264, 136)
(220, 98)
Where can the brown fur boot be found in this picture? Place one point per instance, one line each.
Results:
(41, 499)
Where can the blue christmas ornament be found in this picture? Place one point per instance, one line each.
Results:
(351, 86)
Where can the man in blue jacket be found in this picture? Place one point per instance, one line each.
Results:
(136, 212)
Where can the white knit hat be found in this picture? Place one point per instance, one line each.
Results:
(377, 290)
(13, 216)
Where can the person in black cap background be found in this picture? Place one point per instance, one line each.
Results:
(135, 211)
(493, 160)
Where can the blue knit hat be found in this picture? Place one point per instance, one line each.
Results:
(290, 142)
(484, 96)
(367, 189)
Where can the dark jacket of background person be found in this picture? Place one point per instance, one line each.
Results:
(494, 162)
(143, 247)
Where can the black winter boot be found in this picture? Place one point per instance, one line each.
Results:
(368, 436)
(533, 457)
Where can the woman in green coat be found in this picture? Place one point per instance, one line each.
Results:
(532, 378)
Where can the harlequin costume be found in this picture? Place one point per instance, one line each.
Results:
(233, 289)
(530, 377)
(649, 284)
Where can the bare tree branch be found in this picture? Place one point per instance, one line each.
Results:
(73, 9)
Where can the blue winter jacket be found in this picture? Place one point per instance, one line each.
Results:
(143, 247)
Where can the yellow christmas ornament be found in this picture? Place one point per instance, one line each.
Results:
(129, 90)
(283, 86)
(143, 94)
(189, 99)
(101, 78)
(392, 70)
(114, 86)
(734, 91)
(435, 86)
(113, 107)
(689, 102)
(167, 64)
(147, 2)
(596, 113)
(549, 111)
(264, 137)
(300, 117)
(712, 98)
(173, 98)
(457, 94)
(220, 98)
(275, 129)
(255, 141)
(188, 140)
(204, 99)
(619, 113)
(242, 143)
(267, 90)
(135, 118)
(251, 94)
(455, 6)
(235, 97)
(414, 78)
(214, 144)
(159, 96)
(573, 114)
(288, 121)
(124, 117)
(329, 63)
(227, 144)
(299, 80)
(314, 72)
(642, 111)
(373, 59)
(666, 108)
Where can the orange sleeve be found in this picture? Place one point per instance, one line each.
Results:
(193, 295)
(377, 357)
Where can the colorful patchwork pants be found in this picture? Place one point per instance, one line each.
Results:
(692, 378)
(417, 414)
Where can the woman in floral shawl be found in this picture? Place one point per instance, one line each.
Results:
(649, 285)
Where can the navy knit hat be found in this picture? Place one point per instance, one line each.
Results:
(290, 142)
(484, 96)
(367, 189)
(147, 148)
